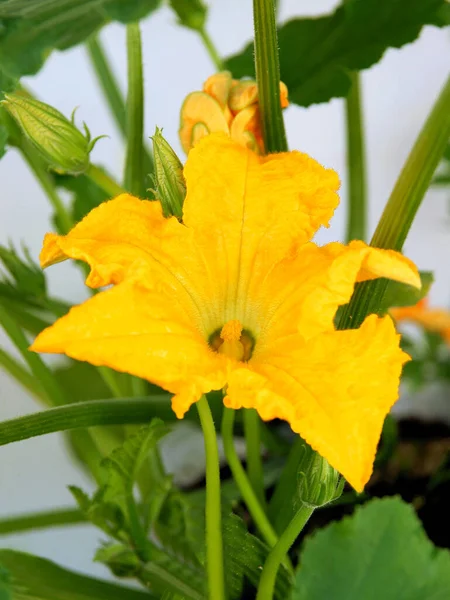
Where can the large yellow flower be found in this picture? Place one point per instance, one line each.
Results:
(237, 297)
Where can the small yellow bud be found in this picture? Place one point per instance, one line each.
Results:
(60, 143)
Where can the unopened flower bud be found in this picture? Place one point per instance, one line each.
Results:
(318, 483)
(191, 13)
(60, 143)
(169, 178)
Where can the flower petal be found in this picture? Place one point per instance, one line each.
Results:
(248, 212)
(121, 235)
(142, 331)
(334, 390)
(303, 293)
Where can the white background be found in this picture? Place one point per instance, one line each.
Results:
(398, 94)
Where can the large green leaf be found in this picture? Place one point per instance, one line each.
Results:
(31, 29)
(27, 577)
(317, 54)
(379, 552)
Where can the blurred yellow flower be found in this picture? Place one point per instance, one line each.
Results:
(225, 105)
(237, 297)
(436, 320)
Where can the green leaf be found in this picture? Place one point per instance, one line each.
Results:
(245, 554)
(379, 552)
(34, 578)
(125, 463)
(318, 54)
(400, 294)
(31, 30)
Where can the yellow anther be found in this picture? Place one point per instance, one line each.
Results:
(231, 331)
(231, 335)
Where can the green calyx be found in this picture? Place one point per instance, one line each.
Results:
(318, 483)
(169, 179)
(63, 147)
(191, 13)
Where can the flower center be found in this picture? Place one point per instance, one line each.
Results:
(233, 341)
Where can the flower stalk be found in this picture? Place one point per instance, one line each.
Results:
(214, 544)
(280, 550)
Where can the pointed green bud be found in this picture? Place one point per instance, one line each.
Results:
(169, 179)
(60, 143)
(191, 13)
(317, 482)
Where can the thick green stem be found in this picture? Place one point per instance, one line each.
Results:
(214, 544)
(104, 181)
(33, 160)
(92, 413)
(279, 551)
(252, 429)
(356, 170)
(268, 76)
(402, 206)
(240, 477)
(211, 49)
(111, 91)
(134, 161)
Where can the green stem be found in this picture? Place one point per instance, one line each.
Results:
(91, 413)
(402, 206)
(33, 160)
(214, 544)
(279, 551)
(137, 532)
(104, 181)
(268, 76)
(54, 518)
(134, 164)
(240, 477)
(38, 368)
(108, 82)
(357, 208)
(211, 49)
(111, 91)
(20, 374)
(255, 471)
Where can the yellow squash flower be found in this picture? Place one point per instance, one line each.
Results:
(238, 297)
(225, 105)
(436, 320)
